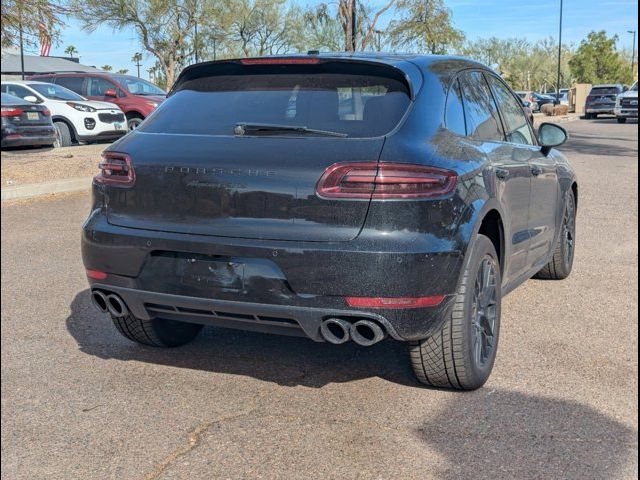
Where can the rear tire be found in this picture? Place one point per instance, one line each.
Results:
(157, 332)
(561, 263)
(462, 353)
(622, 120)
(133, 121)
(64, 135)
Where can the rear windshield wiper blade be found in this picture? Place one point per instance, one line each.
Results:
(274, 129)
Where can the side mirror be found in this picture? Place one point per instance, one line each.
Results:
(111, 92)
(31, 99)
(625, 89)
(526, 104)
(551, 135)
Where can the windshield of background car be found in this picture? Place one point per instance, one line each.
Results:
(55, 92)
(137, 86)
(604, 91)
(634, 88)
(356, 105)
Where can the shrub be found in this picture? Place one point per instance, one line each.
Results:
(561, 110)
(548, 109)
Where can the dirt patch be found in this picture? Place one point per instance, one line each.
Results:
(20, 167)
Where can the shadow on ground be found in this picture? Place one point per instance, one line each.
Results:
(503, 434)
(287, 361)
(590, 145)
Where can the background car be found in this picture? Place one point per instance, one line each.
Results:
(137, 98)
(527, 96)
(528, 111)
(564, 96)
(76, 119)
(542, 99)
(25, 124)
(602, 100)
(627, 104)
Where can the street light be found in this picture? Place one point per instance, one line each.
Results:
(378, 38)
(633, 55)
(559, 54)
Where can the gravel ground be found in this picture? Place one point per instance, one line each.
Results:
(80, 402)
(47, 164)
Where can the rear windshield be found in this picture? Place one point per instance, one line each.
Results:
(353, 104)
(604, 91)
(55, 92)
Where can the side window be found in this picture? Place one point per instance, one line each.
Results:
(481, 113)
(454, 113)
(72, 83)
(515, 122)
(18, 91)
(97, 86)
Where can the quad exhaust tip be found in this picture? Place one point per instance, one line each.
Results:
(367, 333)
(363, 332)
(335, 330)
(116, 306)
(99, 301)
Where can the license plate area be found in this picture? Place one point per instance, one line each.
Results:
(32, 116)
(215, 274)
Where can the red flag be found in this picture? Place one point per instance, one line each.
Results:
(45, 40)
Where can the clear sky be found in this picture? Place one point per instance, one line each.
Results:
(476, 18)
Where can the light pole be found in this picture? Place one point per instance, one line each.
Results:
(379, 38)
(557, 102)
(633, 55)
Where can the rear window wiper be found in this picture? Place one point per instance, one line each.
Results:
(274, 129)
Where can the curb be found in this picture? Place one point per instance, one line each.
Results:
(36, 189)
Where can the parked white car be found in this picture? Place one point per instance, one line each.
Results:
(627, 104)
(76, 119)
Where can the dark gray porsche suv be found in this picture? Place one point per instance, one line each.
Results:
(337, 197)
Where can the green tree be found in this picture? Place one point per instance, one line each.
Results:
(598, 61)
(29, 14)
(123, 71)
(165, 28)
(424, 26)
(71, 51)
(106, 68)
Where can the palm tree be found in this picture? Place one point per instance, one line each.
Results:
(123, 71)
(136, 59)
(106, 68)
(71, 51)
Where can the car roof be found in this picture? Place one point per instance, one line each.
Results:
(412, 65)
(25, 82)
(608, 85)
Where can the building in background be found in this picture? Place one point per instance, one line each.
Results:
(33, 64)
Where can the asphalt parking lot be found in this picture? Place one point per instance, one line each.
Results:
(80, 402)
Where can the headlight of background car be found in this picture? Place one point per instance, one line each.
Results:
(80, 107)
(153, 104)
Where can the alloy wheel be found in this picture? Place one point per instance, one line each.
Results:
(484, 313)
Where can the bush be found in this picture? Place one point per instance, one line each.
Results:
(548, 109)
(561, 110)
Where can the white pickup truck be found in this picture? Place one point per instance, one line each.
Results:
(627, 104)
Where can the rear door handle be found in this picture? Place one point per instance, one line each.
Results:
(535, 171)
(502, 173)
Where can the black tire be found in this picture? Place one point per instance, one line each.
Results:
(622, 120)
(133, 121)
(449, 358)
(64, 135)
(561, 263)
(157, 332)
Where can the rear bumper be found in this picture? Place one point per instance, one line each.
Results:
(107, 135)
(27, 141)
(290, 320)
(305, 280)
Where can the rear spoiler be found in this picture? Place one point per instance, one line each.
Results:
(310, 64)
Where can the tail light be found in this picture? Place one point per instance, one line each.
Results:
(116, 169)
(385, 181)
(399, 302)
(46, 112)
(280, 61)
(11, 112)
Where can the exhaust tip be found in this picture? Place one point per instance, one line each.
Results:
(367, 333)
(99, 301)
(116, 306)
(335, 330)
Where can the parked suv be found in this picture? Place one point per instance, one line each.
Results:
(76, 119)
(627, 104)
(337, 197)
(137, 98)
(602, 100)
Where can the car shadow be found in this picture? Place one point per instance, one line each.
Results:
(593, 146)
(507, 434)
(287, 361)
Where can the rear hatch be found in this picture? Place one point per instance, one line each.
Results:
(226, 154)
(603, 95)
